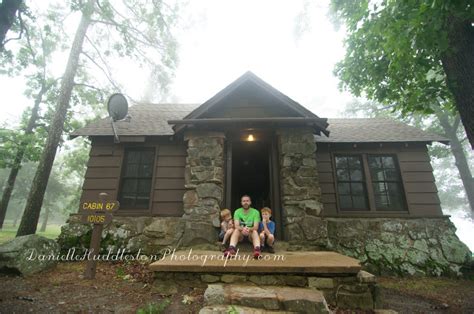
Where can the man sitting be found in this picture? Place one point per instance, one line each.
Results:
(246, 220)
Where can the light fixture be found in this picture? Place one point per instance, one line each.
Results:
(250, 138)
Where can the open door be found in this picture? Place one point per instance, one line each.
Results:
(252, 169)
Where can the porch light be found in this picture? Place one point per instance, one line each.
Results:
(250, 138)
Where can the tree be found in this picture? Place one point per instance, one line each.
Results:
(144, 34)
(10, 12)
(412, 53)
(442, 122)
(34, 58)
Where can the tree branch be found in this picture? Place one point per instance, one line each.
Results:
(89, 86)
(107, 75)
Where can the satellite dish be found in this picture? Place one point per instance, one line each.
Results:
(117, 106)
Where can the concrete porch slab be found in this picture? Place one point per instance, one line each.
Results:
(199, 261)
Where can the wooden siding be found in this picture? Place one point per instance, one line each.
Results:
(417, 176)
(104, 171)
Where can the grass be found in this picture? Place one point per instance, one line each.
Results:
(154, 308)
(8, 232)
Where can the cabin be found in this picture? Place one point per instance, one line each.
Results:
(363, 187)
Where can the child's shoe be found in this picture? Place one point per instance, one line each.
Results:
(270, 249)
(230, 251)
(256, 252)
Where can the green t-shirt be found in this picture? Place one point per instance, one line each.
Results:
(252, 216)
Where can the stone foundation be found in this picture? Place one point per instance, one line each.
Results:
(150, 234)
(399, 246)
(346, 291)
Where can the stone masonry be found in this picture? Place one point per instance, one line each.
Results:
(204, 181)
(300, 191)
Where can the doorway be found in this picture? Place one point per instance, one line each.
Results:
(252, 168)
(251, 173)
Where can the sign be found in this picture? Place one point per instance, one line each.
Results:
(104, 206)
(96, 218)
(97, 213)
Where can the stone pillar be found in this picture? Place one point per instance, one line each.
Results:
(300, 190)
(204, 181)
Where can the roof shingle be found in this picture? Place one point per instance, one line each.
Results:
(152, 120)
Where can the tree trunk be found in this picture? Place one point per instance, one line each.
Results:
(458, 64)
(459, 157)
(8, 9)
(30, 217)
(10, 184)
(45, 220)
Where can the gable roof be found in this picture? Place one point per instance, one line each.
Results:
(249, 77)
(152, 120)
(361, 130)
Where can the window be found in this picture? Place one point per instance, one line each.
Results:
(386, 183)
(358, 176)
(137, 174)
(350, 183)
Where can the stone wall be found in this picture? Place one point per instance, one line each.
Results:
(204, 181)
(402, 246)
(148, 234)
(300, 191)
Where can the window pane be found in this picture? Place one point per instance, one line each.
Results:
(146, 170)
(129, 186)
(391, 175)
(147, 157)
(133, 157)
(395, 196)
(381, 201)
(360, 202)
(342, 174)
(341, 162)
(345, 201)
(356, 174)
(131, 170)
(144, 186)
(379, 188)
(357, 188)
(353, 162)
(374, 162)
(377, 174)
(387, 162)
(343, 188)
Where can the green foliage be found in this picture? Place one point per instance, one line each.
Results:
(154, 308)
(394, 48)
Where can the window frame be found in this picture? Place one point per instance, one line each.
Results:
(399, 181)
(370, 193)
(363, 181)
(134, 208)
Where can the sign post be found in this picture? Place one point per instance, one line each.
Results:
(98, 213)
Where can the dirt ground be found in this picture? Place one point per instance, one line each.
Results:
(129, 288)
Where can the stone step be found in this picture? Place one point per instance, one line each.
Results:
(301, 300)
(226, 309)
